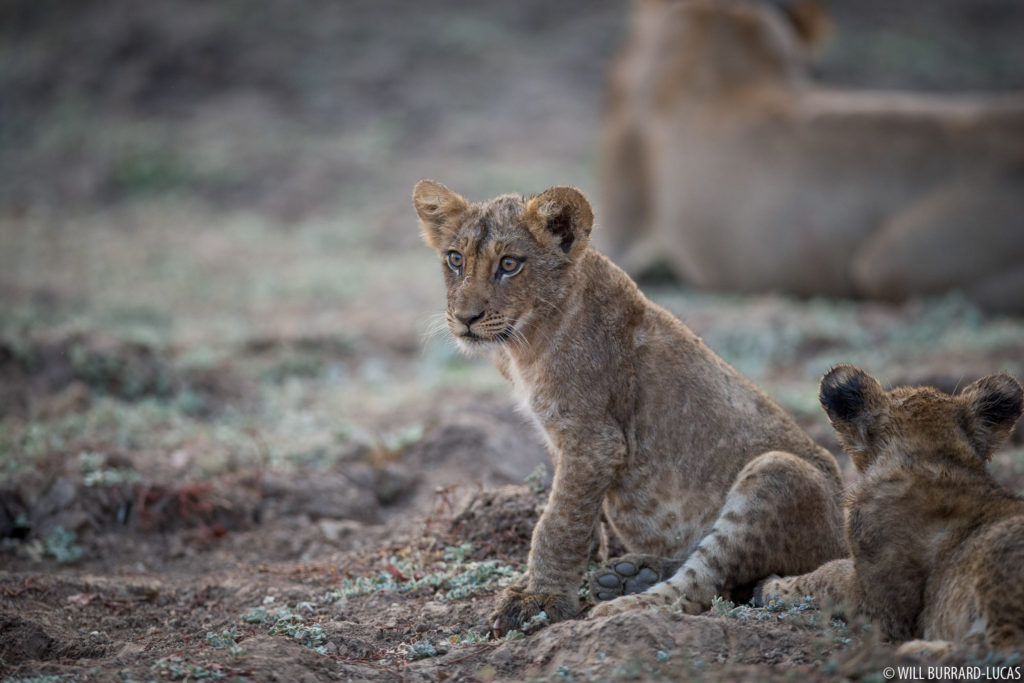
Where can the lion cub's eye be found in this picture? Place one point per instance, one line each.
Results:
(509, 266)
(454, 260)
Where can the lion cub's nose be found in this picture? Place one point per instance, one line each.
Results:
(468, 318)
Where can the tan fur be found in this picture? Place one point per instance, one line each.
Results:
(937, 545)
(686, 458)
(724, 162)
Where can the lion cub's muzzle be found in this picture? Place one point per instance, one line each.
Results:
(479, 327)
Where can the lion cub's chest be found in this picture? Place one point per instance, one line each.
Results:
(532, 400)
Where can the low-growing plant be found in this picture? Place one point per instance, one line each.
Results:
(421, 649)
(801, 613)
(60, 544)
(840, 631)
(458, 578)
(535, 479)
(284, 621)
(470, 638)
(176, 668)
(96, 472)
(226, 639)
(458, 553)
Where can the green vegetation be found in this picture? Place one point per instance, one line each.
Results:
(421, 649)
(803, 613)
(176, 668)
(226, 639)
(61, 545)
(536, 479)
(454, 578)
(95, 471)
(287, 621)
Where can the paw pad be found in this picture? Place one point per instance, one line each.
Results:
(629, 576)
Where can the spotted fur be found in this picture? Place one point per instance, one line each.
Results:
(686, 458)
(937, 545)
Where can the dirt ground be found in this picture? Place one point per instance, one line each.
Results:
(229, 447)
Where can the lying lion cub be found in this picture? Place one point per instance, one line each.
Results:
(938, 546)
(691, 463)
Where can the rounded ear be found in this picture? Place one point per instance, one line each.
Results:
(847, 393)
(856, 406)
(811, 21)
(438, 209)
(560, 217)
(996, 403)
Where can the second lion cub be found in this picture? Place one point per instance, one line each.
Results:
(710, 484)
(937, 545)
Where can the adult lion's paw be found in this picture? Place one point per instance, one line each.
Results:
(518, 608)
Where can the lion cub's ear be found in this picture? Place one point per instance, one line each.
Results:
(439, 210)
(562, 218)
(995, 403)
(856, 406)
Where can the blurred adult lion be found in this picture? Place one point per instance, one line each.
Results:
(725, 163)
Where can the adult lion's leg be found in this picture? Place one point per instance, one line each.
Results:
(781, 516)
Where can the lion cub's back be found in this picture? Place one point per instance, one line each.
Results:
(688, 394)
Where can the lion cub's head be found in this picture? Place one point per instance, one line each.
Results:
(507, 261)
(919, 424)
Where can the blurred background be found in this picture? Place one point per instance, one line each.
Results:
(209, 258)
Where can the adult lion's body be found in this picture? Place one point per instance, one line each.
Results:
(723, 159)
(686, 458)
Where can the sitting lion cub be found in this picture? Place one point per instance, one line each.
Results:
(938, 546)
(694, 467)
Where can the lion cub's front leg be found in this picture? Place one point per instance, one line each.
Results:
(562, 538)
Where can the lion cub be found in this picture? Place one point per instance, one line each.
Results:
(694, 467)
(937, 545)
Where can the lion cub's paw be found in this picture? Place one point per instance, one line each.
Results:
(630, 574)
(691, 607)
(929, 649)
(519, 609)
(767, 591)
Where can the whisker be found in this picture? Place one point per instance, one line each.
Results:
(437, 324)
